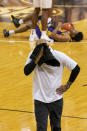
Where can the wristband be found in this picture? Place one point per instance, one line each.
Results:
(67, 86)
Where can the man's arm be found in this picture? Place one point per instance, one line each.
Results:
(73, 76)
(30, 66)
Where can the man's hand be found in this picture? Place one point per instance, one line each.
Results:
(62, 89)
(39, 56)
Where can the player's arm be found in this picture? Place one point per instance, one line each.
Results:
(31, 64)
(59, 37)
(56, 29)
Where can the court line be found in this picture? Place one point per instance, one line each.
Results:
(75, 6)
(13, 41)
(74, 117)
(27, 2)
(70, 42)
(16, 110)
(23, 111)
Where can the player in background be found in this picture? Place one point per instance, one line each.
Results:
(65, 32)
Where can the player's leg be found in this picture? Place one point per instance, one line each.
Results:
(17, 22)
(51, 9)
(41, 115)
(23, 29)
(44, 19)
(19, 30)
(46, 6)
(55, 109)
(53, 3)
(27, 18)
(35, 17)
(50, 21)
(33, 35)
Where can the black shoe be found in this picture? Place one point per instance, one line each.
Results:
(6, 33)
(15, 21)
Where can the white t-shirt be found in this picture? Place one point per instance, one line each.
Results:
(47, 78)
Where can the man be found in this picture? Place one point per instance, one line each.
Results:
(58, 34)
(65, 34)
(46, 6)
(48, 65)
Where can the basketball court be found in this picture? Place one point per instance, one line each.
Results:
(16, 103)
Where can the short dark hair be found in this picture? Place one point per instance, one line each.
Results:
(78, 36)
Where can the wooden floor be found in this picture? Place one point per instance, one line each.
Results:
(16, 103)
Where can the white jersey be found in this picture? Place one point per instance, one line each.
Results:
(47, 78)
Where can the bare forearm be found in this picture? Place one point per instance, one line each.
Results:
(60, 38)
(56, 29)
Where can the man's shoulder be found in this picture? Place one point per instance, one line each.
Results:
(56, 52)
(59, 55)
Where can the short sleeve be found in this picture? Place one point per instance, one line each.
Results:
(68, 62)
(65, 60)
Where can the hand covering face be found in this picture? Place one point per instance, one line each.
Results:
(47, 57)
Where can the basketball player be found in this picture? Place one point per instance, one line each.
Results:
(62, 33)
(48, 66)
(65, 33)
(45, 5)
